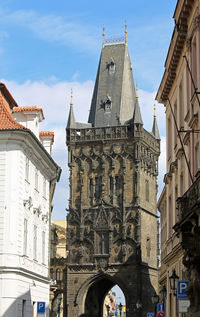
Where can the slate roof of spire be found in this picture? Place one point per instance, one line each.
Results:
(114, 81)
(137, 118)
(155, 130)
(71, 118)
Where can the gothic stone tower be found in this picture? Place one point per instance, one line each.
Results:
(112, 219)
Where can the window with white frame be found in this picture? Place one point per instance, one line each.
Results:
(43, 246)
(35, 242)
(44, 187)
(25, 236)
(36, 178)
(27, 169)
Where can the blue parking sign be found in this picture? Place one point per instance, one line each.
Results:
(160, 308)
(181, 289)
(41, 307)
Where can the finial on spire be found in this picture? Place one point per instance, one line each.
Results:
(125, 32)
(136, 93)
(154, 108)
(71, 101)
(103, 34)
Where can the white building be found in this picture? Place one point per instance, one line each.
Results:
(28, 176)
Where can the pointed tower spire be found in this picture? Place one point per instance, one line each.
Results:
(137, 118)
(71, 119)
(114, 72)
(155, 130)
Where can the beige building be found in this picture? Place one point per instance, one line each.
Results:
(57, 266)
(179, 92)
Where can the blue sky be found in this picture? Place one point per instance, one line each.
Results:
(49, 47)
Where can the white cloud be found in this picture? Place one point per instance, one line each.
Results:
(54, 98)
(52, 28)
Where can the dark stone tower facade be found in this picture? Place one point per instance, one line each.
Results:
(112, 218)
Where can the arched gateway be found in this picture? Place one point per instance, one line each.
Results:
(112, 220)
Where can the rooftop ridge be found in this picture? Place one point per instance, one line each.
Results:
(28, 108)
(115, 40)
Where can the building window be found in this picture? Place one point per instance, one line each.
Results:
(169, 140)
(43, 247)
(27, 169)
(102, 240)
(44, 187)
(97, 187)
(170, 217)
(34, 309)
(111, 186)
(23, 308)
(36, 178)
(25, 236)
(181, 107)
(147, 190)
(35, 242)
(117, 185)
(51, 274)
(91, 188)
(175, 131)
(197, 158)
(58, 274)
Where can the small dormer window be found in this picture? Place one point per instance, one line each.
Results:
(111, 66)
(106, 104)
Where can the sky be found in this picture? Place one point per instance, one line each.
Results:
(49, 47)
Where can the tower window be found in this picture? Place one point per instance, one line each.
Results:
(111, 186)
(91, 188)
(103, 243)
(97, 187)
(117, 185)
(147, 190)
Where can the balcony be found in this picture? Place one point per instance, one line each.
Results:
(94, 134)
(189, 203)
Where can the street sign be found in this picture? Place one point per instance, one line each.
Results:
(181, 289)
(160, 307)
(183, 305)
(41, 307)
(149, 314)
(160, 314)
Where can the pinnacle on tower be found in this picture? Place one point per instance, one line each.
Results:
(155, 130)
(137, 118)
(71, 120)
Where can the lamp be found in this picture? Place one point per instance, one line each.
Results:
(138, 304)
(173, 281)
(155, 299)
(120, 308)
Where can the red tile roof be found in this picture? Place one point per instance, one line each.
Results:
(6, 119)
(33, 108)
(47, 133)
